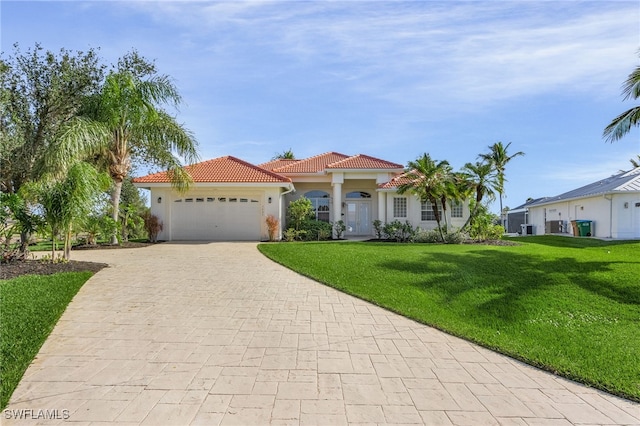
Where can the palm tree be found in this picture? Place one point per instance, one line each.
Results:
(66, 200)
(429, 181)
(498, 157)
(621, 125)
(285, 155)
(482, 179)
(635, 162)
(125, 122)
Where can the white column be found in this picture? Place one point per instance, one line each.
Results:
(337, 202)
(337, 179)
(382, 206)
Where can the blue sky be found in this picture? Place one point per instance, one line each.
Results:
(387, 79)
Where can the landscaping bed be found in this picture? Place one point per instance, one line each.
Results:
(38, 267)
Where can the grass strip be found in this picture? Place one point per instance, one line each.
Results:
(30, 307)
(568, 305)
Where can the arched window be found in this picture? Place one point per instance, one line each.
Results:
(358, 194)
(320, 201)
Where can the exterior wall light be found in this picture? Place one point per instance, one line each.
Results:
(159, 200)
(269, 200)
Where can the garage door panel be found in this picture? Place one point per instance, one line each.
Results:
(220, 218)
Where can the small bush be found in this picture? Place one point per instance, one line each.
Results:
(426, 236)
(153, 226)
(399, 231)
(455, 237)
(339, 227)
(480, 231)
(292, 234)
(315, 230)
(272, 227)
(378, 227)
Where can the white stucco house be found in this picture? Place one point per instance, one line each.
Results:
(612, 204)
(230, 199)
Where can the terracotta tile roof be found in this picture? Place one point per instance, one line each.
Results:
(275, 164)
(362, 161)
(223, 169)
(314, 164)
(396, 182)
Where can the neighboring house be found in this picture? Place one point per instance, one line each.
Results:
(518, 216)
(612, 204)
(230, 198)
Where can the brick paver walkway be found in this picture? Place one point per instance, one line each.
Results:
(217, 334)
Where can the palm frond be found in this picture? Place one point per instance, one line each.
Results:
(621, 125)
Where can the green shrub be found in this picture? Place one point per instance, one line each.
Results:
(299, 211)
(292, 234)
(455, 237)
(339, 227)
(399, 231)
(426, 236)
(378, 227)
(451, 236)
(315, 230)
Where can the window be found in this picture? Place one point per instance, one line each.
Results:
(199, 200)
(426, 210)
(320, 202)
(210, 199)
(399, 207)
(188, 200)
(358, 194)
(456, 209)
(233, 200)
(222, 199)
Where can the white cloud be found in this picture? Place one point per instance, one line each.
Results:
(411, 53)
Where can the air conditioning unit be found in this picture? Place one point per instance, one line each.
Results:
(526, 229)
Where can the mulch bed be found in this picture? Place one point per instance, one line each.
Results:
(38, 267)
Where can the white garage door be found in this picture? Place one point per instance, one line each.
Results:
(220, 218)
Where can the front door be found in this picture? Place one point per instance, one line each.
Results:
(358, 218)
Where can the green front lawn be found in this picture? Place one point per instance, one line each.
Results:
(568, 305)
(30, 306)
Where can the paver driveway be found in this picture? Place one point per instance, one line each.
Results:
(217, 334)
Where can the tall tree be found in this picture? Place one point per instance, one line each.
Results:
(39, 92)
(482, 179)
(126, 122)
(621, 125)
(635, 162)
(498, 157)
(428, 180)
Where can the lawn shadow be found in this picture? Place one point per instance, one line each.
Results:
(569, 242)
(504, 280)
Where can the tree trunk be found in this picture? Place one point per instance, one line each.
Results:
(436, 213)
(53, 246)
(125, 221)
(67, 243)
(115, 203)
(24, 243)
(502, 221)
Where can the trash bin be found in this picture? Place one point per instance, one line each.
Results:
(584, 228)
